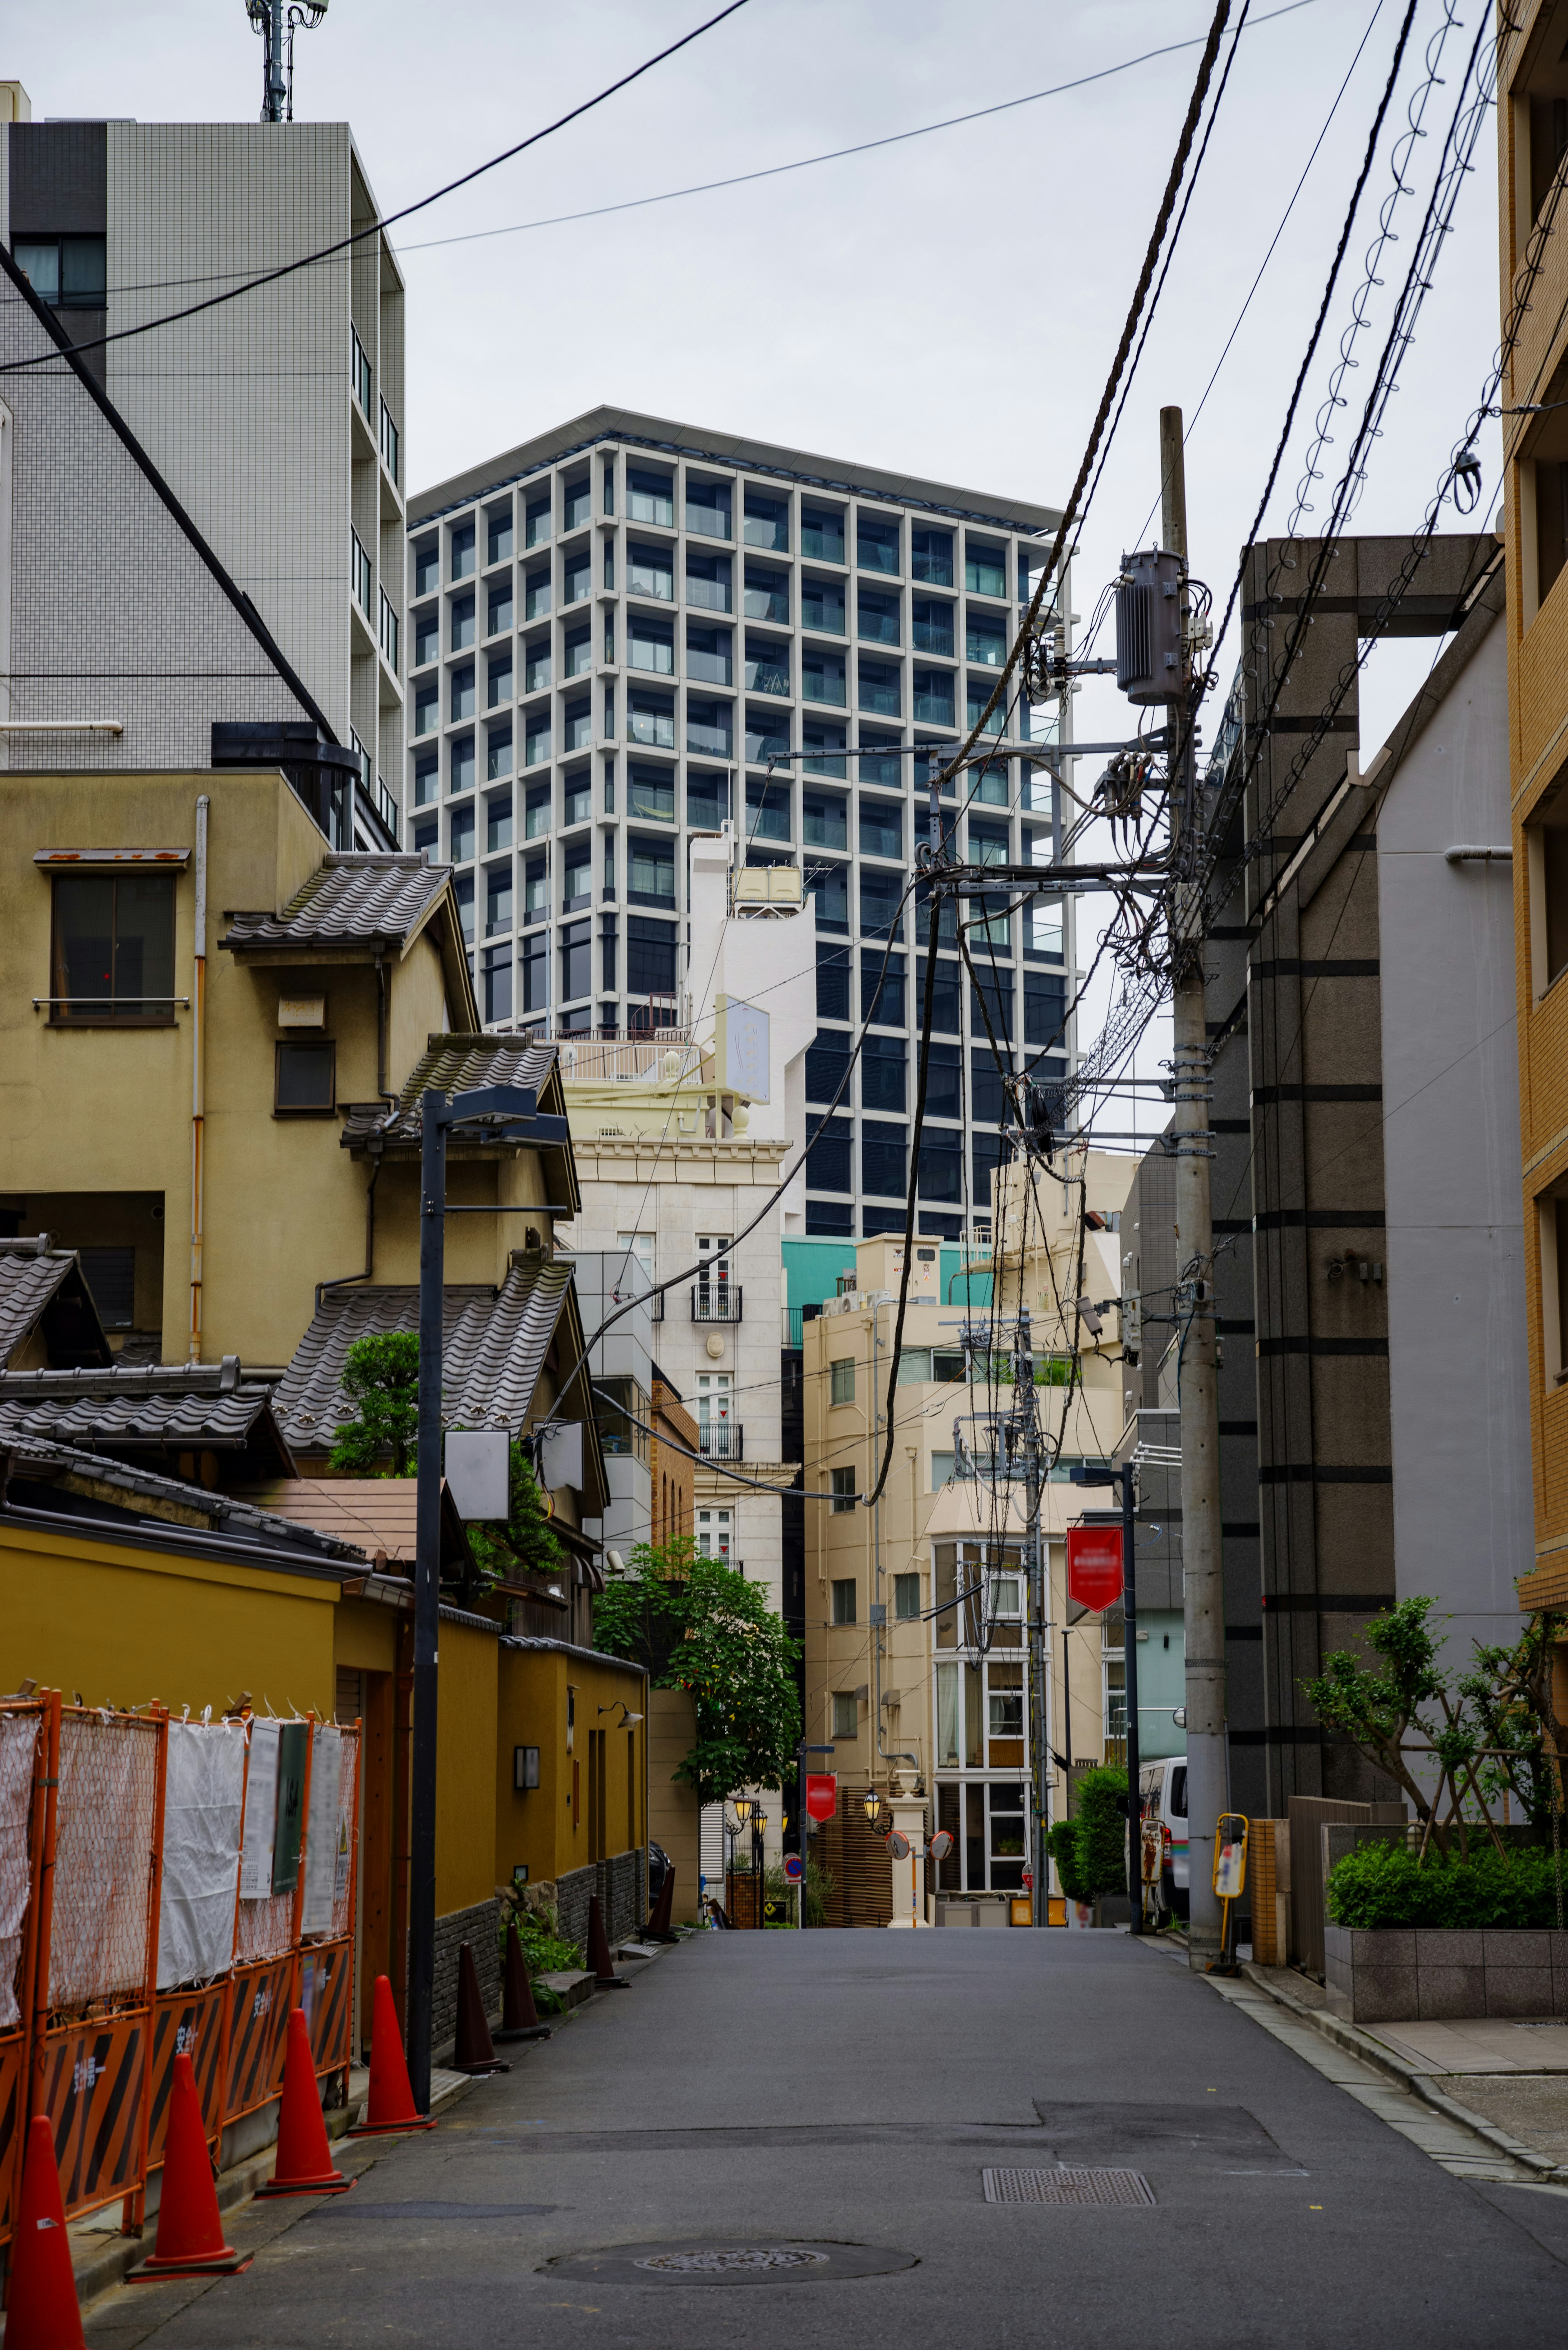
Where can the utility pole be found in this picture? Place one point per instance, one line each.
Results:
(1034, 1584)
(435, 1119)
(1197, 1393)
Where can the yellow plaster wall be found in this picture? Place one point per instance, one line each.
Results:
(125, 1626)
(535, 1827)
(465, 1767)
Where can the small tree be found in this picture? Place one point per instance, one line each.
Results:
(527, 1539)
(382, 1377)
(1090, 1849)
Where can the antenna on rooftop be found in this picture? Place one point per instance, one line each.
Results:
(277, 21)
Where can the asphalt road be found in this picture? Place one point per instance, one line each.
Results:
(843, 2094)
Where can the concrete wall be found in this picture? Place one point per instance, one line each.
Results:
(672, 1806)
(1458, 1359)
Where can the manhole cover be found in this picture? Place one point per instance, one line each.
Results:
(1067, 2184)
(741, 2261)
(729, 2260)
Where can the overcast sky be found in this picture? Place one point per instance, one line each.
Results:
(949, 306)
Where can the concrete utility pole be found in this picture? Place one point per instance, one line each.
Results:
(1198, 1391)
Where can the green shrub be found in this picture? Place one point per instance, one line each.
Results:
(1090, 1849)
(1386, 1884)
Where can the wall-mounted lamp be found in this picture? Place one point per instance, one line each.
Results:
(873, 1804)
(524, 1768)
(625, 1711)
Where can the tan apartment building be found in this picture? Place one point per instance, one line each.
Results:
(1532, 78)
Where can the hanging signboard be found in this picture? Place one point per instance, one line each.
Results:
(1095, 1567)
(293, 1746)
(821, 1793)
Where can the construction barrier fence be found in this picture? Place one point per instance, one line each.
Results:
(167, 1888)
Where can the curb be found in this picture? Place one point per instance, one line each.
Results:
(1383, 2060)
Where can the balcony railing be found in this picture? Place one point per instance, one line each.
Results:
(716, 1302)
(720, 1439)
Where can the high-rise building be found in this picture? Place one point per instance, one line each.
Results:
(627, 632)
(276, 418)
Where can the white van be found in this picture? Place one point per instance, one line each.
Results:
(1162, 1789)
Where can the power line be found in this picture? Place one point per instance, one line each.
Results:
(386, 220)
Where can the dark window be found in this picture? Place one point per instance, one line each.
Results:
(1044, 1009)
(932, 557)
(577, 973)
(651, 495)
(498, 534)
(933, 624)
(832, 982)
(882, 1074)
(710, 728)
(110, 1276)
(767, 593)
(767, 664)
(579, 498)
(825, 1220)
(997, 989)
(825, 1061)
(427, 635)
(822, 532)
(709, 653)
(990, 1150)
(942, 1162)
(497, 983)
(822, 606)
(767, 810)
(707, 798)
(829, 884)
(649, 956)
(877, 618)
(883, 1005)
(945, 997)
(1550, 523)
(427, 566)
(766, 522)
(824, 823)
(882, 829)
(883, 1160)
(306, 1077)
(881, 895)
(67, 272)
(498, 606)
(889, 769)
(944, 1082)
(933, 690)
(607, 945)
(828, 1166)
(877, 545)
(767, 734)
(650, 792)
(463, 551)
(881, 687)
(651, 871)
(988, 1101)
(113, 955)
(537, 972)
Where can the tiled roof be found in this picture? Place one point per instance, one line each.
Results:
(494, 1346)
(31, 1275)
(452, 1064)
(39, 1459)
(145, 1405)
(353, 898)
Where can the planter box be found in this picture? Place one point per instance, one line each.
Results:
(1405, 1974)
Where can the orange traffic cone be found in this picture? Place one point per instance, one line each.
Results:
(305, 2163)
(390, 2103)
(43, 2312)
(657, 1929)
(190, 2233)
(519, 2016)
(605, 1975)
(475, 2053)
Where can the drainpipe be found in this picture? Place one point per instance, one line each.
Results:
(383, 1021)
(198, 1086)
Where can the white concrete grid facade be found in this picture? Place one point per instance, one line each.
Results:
(613, 630)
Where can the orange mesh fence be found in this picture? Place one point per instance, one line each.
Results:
(105, 1858)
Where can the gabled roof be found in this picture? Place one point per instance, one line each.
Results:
(493, 1345)
(41, 1285)
(77, 1484)
(148, 1407)
(379, 1514)
(354, 897)
(453, 1065)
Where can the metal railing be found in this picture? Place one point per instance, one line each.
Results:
(717, 1301)
(720, 1439)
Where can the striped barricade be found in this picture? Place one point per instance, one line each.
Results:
(21, 1750)
(189, 2024)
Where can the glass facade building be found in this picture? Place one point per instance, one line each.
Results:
(624, 634)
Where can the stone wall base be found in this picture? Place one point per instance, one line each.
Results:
(1406, 1974)
(621, 1885)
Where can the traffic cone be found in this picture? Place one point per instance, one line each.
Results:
(475, 2053)
(658, 1929)
(42, 2312)
(190, 2233)
(519, 2016)
(305, 2163)
(390, 2103)
(605, 1975)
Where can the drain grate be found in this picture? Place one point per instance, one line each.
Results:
(740, 2260)
(1067, 2183)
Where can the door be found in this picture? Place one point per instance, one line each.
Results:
(713, 1277)
(716, 1431)
(715, 1535)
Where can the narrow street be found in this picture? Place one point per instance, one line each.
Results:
(845, 2092)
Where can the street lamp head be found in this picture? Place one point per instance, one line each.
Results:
(873, 1804)
(744, 1808)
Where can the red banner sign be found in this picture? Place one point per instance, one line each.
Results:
(1095, 1567)
(821, 1793)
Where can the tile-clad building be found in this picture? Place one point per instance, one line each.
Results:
(275, 418)
(628, 632)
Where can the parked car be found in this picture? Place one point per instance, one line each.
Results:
(658, 1869)
(1162, 1790)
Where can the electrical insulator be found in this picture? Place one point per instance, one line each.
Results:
(1149, 663)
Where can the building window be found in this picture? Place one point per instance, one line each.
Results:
(427, 841)
(833, 983)
(111, 1277)
(985, 638)
(882, 1071)
(392, 443)
(497, 984)
(577, 577)
(984, 568)
(844, 1585)
(709, 655)
(766, 522)
(577, 654)
(650, 496)
(460, 833)
(305, 1080)
(461, 776)
(981, 689)
(822, 532)
(824, 823)
(708, 508)
(536, 594)
(577, 973)
(462, 623)
(389, 636)
(579, 725)
(882, 829)
(941, 1148)
(933, 690)
(875, 545)
(462, 692)
(881, 898)
(827, 1065)
(650, 644)
(822, 749)
(710, 729)
(906, 1598)
(537, 520)
(498, 753)
(536, 739)
(427, 779)
(1045, 1009)
(498, 681)
(537, 973)
(767, 664)
(846, 1714)
(498, 822)
(360, 574)
(822, 606)
(576, 793)
(933, 624)
(883, 1160)
(767, 735)
(708, 580)
(650, 718)
(580, 503)
(881, 993)
(932, 557)
(829, 886)
(881, 687)
(536, 890)
(65, 272)
(707, 795)
(427, 566)
(498, 611)
(113, 952)
(877, 618)
(649, 956)
(1546, 869)
(650, 571)
(498, 533)
(842, 1375)
(577, 882)
(830, 1161)
(650, 870)
(461, 563)
(427, 635)
(650, 793)
(497, 900)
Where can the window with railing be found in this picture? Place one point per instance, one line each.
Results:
(360, 574)
(388, 637)
(716, 1301)
(391, 442)
(720, 1439)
